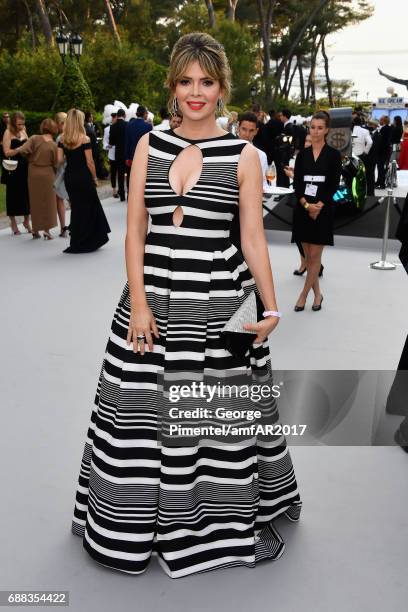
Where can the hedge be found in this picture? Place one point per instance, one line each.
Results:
(33, 119)
(73, 91)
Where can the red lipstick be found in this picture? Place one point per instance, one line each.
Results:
(196, 105)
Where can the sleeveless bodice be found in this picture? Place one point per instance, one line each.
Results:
(208, 207)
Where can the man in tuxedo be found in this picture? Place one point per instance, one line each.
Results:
(284, 148)
(259, 141)
(117, 139)
(383, 151)
(271, 131)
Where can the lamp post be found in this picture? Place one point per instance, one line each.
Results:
(63, 44)
(76, 46)
(69, 44)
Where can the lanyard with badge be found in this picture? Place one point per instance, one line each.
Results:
(311, 188)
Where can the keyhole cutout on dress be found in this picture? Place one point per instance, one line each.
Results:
(185, 170)
(178, 216)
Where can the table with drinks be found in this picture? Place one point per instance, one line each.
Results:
(273, 194)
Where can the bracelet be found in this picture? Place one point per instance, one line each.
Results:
(271, 313)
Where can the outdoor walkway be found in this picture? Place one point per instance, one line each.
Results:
(348, 551)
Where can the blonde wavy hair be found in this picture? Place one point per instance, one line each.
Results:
(74, 128)
(209, 53)
(60, 119)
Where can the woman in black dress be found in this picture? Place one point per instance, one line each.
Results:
(17, 200)
(316, 179)
(88, 227)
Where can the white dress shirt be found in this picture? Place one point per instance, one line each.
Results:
(164, 125)
(264, 165)
(362, 141)
(109, 149)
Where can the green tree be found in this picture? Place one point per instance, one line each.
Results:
(298, 40)
(123, 72)
(74, 91)
(29, 79)
(340, 88)
(241, 50)
(336, 15)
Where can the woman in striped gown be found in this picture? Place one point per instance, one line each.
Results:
(211, 504)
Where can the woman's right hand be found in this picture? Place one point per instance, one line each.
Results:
(142, 322)
(314, 210)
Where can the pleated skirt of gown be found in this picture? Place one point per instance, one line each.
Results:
(198, 508)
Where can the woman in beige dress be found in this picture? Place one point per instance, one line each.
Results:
(41, 151)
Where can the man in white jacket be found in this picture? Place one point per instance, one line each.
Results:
(111, 155)
(362, 141)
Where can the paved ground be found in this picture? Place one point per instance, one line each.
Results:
(348, 552)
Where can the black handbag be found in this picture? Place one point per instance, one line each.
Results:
(237, 340)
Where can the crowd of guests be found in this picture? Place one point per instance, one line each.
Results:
(377, 143)
(120, 139)
(59, 168)
(374, 142)
(32, 172)
(316, 177)
(45, 180)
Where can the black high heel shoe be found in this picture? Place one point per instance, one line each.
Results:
(299, 308)
(301, 272)
(316, 307)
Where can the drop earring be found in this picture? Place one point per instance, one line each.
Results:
(175, 106)
(220, 105)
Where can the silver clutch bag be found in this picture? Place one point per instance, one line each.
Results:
(237, 340)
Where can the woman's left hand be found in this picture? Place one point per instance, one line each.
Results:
(262, 328)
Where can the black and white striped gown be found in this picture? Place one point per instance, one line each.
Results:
(199, 507)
